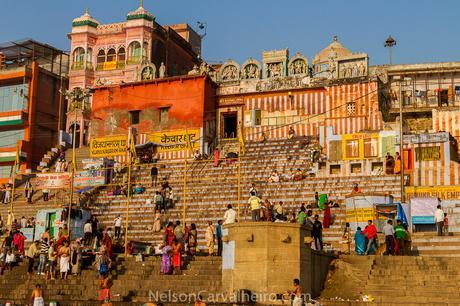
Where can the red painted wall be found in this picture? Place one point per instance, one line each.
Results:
(189, 100)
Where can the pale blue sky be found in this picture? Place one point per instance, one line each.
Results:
(426, 30)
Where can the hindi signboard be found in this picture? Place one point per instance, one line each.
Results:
(52, 180)
(108, 146)
(176, 140)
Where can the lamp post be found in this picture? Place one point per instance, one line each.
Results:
(390, 43)
(76, 97)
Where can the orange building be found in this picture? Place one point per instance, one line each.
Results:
(31, 106)
(163, 105)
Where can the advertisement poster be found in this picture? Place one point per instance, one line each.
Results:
(52, 180)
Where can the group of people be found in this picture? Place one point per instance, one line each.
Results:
(6, 193)
(398, 239)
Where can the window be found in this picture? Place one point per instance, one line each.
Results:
(134, 116)
(352, 148)
(134, 52)
(164, 115)
(10, 138)
(111, 55)
(6, 171)
(100, 59)
(121, 55)
(78, 58)
(351, 108)
(14, 97)
(257, 117)
(370, 147)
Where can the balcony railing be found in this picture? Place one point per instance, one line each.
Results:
(113, 65)
(81, 66)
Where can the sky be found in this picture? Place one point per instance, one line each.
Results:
(425, 30)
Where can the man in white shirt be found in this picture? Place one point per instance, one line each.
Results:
(117, 223)
(439, 219)
(88, 230)
(23, 222)
(389, 232)
(230, 215)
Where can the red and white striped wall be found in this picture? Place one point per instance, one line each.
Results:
(315, 108)
(447, 121)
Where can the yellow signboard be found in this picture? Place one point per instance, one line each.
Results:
(108, 146)
(176, 140)
(360, 214)
(442, 192)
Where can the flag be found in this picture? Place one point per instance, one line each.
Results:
(188, 143)
(132, 147)
(241, 141)
(401, 215)
(17, 162)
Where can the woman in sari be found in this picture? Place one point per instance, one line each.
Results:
(216, 157)
(360, 242)
(177, 249)
(169, 234)
(192, 241)
(165, 267)
(107, 241)
(397, 168)
(327, 216)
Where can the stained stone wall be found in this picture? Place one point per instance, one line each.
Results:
(266, 257)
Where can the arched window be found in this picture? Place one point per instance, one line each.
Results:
(134, 52)
(89, 59)
(111, 55)
(100, 59)
(121, 58)
(78, 58)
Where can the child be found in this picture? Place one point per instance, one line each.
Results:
(446, 224)
(51, 261)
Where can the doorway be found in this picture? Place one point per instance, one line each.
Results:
(77, 134)
(50, 225)
(230, 125)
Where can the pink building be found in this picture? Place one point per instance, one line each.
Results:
(137, 49)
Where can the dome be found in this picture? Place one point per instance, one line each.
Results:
(140, 13)
(334, 50)
(85, 20)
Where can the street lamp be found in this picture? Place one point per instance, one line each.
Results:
(390, 43)
(76, 98)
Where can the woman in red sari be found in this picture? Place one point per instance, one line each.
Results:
(327, 215)
(177, 248)
(169, 234)
(108, 244)
(216, 157)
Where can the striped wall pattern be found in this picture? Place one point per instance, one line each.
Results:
(448, 121)
(443, 172)
(327, 107)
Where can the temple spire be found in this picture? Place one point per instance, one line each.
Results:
(141, 3)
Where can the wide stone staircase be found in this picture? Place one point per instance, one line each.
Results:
(210, 189)
(390, 280)
(134, 283)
